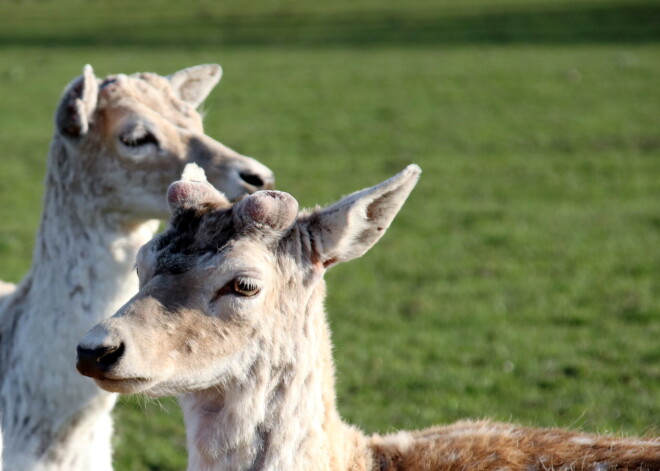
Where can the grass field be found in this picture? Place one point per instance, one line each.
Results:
(521, 280)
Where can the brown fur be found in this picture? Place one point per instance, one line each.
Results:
(491, 446)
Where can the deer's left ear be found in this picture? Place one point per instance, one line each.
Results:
(194, 84)
(74, 113)
(350, 227)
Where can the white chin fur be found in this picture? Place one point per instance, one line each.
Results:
(124, 386)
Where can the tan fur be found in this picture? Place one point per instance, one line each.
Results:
(235, 295)
(492, 446)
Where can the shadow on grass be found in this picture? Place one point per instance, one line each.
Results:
(624, 22)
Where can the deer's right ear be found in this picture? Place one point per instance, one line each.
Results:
(193, 190)
(350, 227)
(77, 105)
(194, 84)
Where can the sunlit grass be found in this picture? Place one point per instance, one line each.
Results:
(520, 281)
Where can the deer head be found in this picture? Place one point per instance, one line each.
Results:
(124, 139)
(228, 283)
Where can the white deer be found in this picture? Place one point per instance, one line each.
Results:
(119, 142)
(230, 317)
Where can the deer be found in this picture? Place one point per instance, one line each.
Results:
(230, 318)
(118, 143)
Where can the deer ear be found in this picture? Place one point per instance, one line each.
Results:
(193, 190)
(350, 227)
(194, 84)
(275, 209)
(74, 113)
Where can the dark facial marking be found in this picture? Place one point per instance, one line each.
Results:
(192, 233)
(107, 81)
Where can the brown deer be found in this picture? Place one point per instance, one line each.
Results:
(119, 142)
(230, 317)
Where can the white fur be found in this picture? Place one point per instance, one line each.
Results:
(193, 172)
(64, 422)
(98, 211)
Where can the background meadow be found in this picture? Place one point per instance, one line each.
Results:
(520, 282)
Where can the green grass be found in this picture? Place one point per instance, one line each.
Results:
(521, 280)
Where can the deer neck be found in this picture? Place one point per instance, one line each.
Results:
(86, 250)
(282, 415)
(82, 272)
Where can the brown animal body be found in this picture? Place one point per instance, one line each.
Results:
(230, 317)
(499, 446)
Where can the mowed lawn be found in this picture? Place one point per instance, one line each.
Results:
(521, 281)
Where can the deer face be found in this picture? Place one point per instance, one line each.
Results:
(209, 290)
(178, 334)
(228, 284)
(129, 137)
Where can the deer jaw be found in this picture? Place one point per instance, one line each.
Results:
(131, 136)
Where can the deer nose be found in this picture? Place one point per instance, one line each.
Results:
(260, 182)
(95, 362)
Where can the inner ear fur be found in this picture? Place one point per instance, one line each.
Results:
(349, 228)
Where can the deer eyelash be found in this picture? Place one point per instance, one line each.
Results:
(245, 287)
(239, 286)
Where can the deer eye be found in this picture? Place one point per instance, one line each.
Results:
(240, 286)
(244, 287)
(138, 137)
